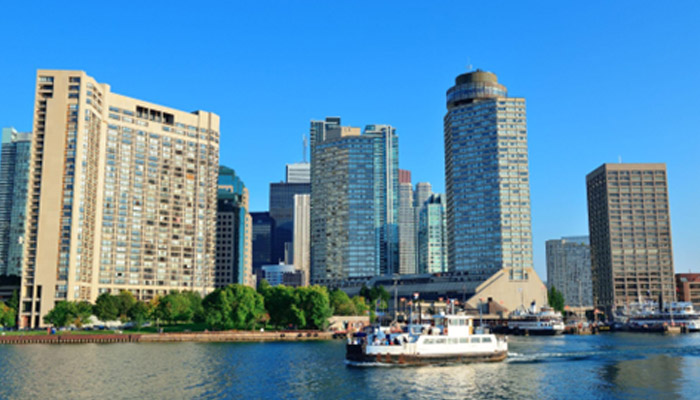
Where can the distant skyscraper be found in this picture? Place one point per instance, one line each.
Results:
(354, 200)
(432, 236)
(14, 175)
(234, 226)
(122, 196)
(298, 173)
(630, 231)
(569, 269)
(302, 236)
(486, 171)
(263, 227)
(282, 211)
(407, 225)
(421, 194)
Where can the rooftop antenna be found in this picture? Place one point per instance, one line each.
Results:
(304, 145)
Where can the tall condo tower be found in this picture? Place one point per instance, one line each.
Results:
(354, 200)
(487, 182)
(234, 232)
(407, 225)
(569, 269)
(630, 233)
(14, 175)
(122, 196)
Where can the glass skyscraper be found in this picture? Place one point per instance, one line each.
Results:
(487, 179)
(354, 200)
(14, 175)
(234, 229)
(432, 236)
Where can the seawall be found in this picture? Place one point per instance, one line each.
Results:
(203, 337)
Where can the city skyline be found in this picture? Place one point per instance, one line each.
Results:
(565, 106)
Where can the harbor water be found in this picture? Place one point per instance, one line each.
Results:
(606, 366)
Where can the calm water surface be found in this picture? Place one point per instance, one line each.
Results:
(609, 366)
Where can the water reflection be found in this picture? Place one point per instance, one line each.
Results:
(593, 367)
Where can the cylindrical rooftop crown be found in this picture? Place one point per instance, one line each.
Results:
(474, 85)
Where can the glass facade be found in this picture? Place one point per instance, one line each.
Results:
(233, 264)
(432, 236)
(487, 178)
(14, 175)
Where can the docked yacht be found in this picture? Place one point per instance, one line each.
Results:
(648, 317)
(546, 321)
(449, 339)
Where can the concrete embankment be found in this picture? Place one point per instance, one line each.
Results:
(226, 336)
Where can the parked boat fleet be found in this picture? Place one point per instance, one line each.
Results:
(446, 339)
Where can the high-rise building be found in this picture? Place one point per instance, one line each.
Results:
(421, 194)
(354, 200)
(569, 269)
(282, 211)
(234, 230)
(122, 196)
(486, 173)
(386, 194)
(263, 227)
(298, 173)
(432, 236)
(407, 225)
(630, 233)
(302, 236)
(14, 175)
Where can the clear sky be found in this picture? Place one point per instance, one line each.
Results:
(602, 80)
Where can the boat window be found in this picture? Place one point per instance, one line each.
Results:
(440, 341)
(428, 341)
(476, 340)
(464, 340)
(486, 340)
(454, 341)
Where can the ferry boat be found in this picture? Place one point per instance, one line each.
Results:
(646, 317)
(546, 321)
(449, 339)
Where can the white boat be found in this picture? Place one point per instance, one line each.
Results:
(546, 321)
(647, 316)
(449, 339)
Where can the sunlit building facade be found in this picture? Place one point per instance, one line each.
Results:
(487, 179)
(122, 196)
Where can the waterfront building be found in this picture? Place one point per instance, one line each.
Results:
(486, 174)
(282, 274)
(298, 173)
(14, 175)
(121, 196)
(407, 225)
(282, 212)
(688, 288)
(432, 236)
(569, 269)
(263, 226)
(234, 230)
(354, 200)
(302, 236)
(630, 233)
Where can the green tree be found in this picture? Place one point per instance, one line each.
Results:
(124, 301)
(341, 303)
(264, 287)
(106, 308)
(195, 301)
(555, 299)
(13, 303)
(282, 304)
(68, 312)
(360, 305)
(174, 307)
(139, 313)
(233, 307)
(315, 303)
(8, 316)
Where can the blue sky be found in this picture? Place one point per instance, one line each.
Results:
(602, 80)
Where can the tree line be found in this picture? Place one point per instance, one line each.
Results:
(232, 307)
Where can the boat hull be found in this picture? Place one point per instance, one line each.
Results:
(356, 357)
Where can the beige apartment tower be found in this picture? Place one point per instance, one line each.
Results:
(630, 235)
(122, 196)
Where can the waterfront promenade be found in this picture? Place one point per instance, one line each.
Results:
(223, 336)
